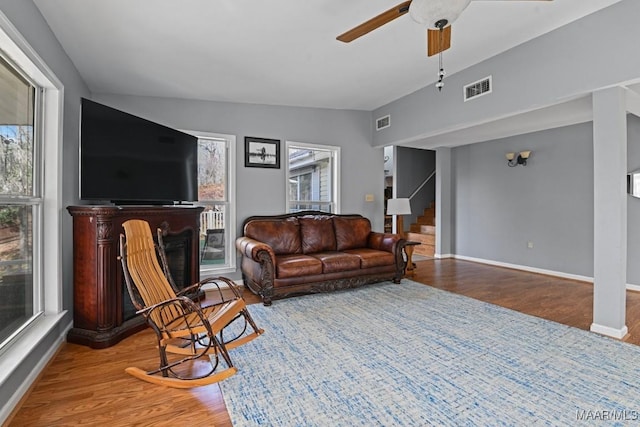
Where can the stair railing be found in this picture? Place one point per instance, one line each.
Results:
(423, 184)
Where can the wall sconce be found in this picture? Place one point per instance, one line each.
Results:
(521, 159)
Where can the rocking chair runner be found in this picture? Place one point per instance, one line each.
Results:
(189, 335)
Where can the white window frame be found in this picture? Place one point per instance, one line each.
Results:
(335, 164)
(47, 268)
(230, 205)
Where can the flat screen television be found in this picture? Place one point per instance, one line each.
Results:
(126, 159)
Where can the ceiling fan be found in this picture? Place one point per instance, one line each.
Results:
(436, 15)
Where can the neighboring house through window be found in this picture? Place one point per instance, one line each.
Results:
(312, 177)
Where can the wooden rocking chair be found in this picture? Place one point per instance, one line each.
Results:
(189, 334)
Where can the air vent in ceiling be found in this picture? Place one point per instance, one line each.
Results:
(479, 88)
(383, 122)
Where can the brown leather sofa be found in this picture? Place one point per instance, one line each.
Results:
(312, 251)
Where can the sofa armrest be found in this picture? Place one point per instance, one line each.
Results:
(258, 266)
(385, 242)
(393, 243)
(252, 248)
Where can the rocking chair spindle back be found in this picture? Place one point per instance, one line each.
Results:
(186, 331)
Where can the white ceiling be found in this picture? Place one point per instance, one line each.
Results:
(281, 52)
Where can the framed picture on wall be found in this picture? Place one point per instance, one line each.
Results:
(261, 152)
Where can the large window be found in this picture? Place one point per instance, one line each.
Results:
(20, 201)
(216, 195)
(31, 99)
(312, 177)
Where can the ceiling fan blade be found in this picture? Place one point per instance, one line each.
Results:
(375, 22)
(438, 40)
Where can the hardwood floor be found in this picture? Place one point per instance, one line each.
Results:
(564, 301)
(82, 386)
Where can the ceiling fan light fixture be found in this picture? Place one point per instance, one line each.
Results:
(428, 12)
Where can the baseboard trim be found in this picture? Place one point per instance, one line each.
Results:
(610, 332)
(527, 268)
(629, 286)
(443, 256)
(635, 288)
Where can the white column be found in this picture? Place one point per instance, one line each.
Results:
(444, 203)
(610, 212)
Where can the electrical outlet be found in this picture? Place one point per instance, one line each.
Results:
(530, 245)
(368, 198)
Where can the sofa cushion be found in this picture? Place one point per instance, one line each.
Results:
(317, 234)
(351, 233)
(372, 257)
(282, 235)
(337, 261)
(297, 265)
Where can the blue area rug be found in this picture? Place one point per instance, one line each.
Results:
(412, 355)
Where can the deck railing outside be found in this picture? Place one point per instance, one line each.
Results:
(211, 220)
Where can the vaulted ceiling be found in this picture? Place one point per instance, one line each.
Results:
(282, 52)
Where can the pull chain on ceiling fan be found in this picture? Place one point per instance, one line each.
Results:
(441, 24)
(436, 15)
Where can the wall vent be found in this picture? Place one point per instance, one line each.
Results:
(479, 88)
(383, 122)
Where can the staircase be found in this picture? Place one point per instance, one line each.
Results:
(424, 231)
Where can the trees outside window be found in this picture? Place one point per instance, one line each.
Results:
(20, 200)
(216, 195)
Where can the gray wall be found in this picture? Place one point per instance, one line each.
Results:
(27, 19)
(262, 191)
(549, 202)
(633, 204)
(496, 210)
(570, 61)
(413, 166)
(499, 209)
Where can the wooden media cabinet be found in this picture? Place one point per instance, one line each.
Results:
(102, 310)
